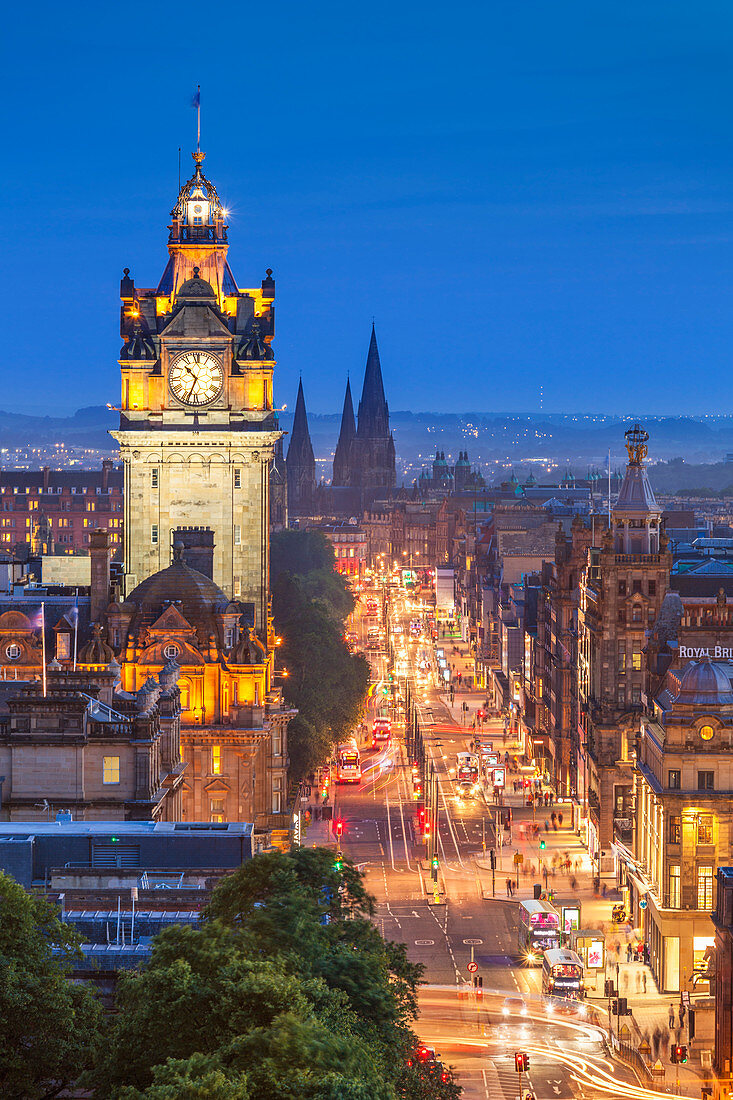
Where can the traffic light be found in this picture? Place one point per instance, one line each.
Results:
(434, 869)
(542, 844)
(681, 1054)
(492, 859)
(338, 863)
(521, 1061)
(614, 1006)
(339, 829)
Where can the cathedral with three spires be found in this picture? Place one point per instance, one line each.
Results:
(364, 460)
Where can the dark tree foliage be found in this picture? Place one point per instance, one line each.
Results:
(326, 682)
(48, 1023)
(287, 990)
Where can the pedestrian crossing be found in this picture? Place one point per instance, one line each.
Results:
(500, 1079)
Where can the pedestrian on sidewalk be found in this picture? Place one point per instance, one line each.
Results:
(629, 952)
(547, 826)
(656, 1040)
(643, 979)
(671, 1017)
(573, 882)
(683, 1011)
(665, 1043)
(553, 819)
(544, 875)
(508, 887)
(577, 866)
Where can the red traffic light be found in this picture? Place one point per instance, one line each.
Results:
(521, 1061)
(339, 828)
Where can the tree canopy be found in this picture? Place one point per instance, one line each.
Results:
(326, 682)
(286, 990)
(48, 1023)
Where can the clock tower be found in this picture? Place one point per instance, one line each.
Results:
(198, 429)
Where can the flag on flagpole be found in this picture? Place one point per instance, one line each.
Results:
(196, 100)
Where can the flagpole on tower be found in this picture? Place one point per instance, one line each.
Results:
(198, 118)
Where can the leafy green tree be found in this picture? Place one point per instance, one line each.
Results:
(206, 992)
(200, 1077)
(326, 682)
(287, 990)
(48, 1023)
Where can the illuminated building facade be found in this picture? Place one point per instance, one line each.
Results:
(85, 748)
(56, 511)
(684, 820)
(233, 723)
(622, 588)
(198, 429)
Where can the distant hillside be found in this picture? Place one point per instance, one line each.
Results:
(86, 428)
(494, 443)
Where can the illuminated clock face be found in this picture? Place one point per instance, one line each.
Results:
(196, 377)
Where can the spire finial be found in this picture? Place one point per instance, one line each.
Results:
(636, 444)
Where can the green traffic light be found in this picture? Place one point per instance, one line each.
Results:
(542, 845)
(338, 865)
(435, 862)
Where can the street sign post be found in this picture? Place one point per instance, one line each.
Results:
(472, 967)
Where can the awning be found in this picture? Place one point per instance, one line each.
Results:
(641, 888)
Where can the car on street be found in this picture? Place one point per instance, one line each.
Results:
(514, 1006)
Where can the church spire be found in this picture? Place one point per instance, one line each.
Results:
(300, 461)
(342, 455)
(373, 411)
(300, 438)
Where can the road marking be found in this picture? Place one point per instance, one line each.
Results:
(473, 942)
(424, 943)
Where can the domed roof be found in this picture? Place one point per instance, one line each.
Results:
(198, 599)
(196, 289)
(706, 683)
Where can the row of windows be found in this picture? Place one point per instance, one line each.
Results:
(705, 780)
(56, 490)
(637, 587)
(637, 614)
(155, 534)
(705, 880)
(64, 506)
(155, 478)
(704, 824)
(62, 539)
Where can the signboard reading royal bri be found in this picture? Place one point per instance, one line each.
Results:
(706, 653)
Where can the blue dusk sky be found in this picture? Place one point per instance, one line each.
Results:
(521, 194)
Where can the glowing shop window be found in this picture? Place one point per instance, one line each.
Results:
(216, 759)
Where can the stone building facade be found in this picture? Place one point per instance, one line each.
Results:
(198, 430)
(621, 591)
(57, 511)
(83, 745)
(556, 653)
(233, 721)
(684, 820)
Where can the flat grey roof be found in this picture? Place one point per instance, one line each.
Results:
(11, 829)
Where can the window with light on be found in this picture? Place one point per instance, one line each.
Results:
(111, 769)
